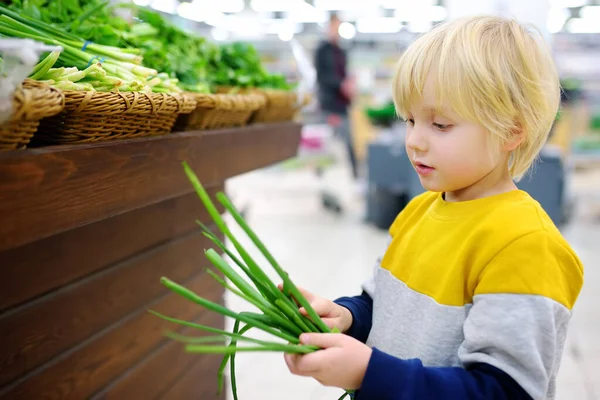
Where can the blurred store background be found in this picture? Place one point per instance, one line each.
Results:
(325, 226)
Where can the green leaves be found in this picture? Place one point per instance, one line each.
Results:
(239, 64)
(170, 49)
(198, 64)
(58, 12)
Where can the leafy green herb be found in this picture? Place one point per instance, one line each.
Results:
(239, 65)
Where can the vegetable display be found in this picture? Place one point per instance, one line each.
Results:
(239, 65)
(121, 66)
(170, 49)
(59, 12)
(96, 28)
(95, 78)
(164, 47)
(280, 313)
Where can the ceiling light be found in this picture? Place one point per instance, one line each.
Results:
(229, 6)
(275, 26)
(190, 11)
(306, 13)
(421, 13)
(395, 4)
(420, 26)
(248, 27)
(166, 6)
(378, 25)
(583, 25)
(556, 19)
(438, 13)
(276, 5)
(340, 5)
(347, 30)
(286, 35)
(215, 18)
(590, 12)
(219, 34)
(568, 3)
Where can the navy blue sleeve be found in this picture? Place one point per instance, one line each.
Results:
(361, 308)
(391, 378)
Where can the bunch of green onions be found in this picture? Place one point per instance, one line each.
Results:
(118, 63)
(280, 315)
(95, 78)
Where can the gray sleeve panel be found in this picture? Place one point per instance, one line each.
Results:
(523, 335)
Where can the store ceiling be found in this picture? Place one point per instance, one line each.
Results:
(379, 20)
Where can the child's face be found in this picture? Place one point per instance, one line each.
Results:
(448, 153)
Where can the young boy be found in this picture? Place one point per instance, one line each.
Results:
(473, 296)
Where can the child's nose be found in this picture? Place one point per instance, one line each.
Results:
(415, 139)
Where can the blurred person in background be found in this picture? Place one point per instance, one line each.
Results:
(335, 87)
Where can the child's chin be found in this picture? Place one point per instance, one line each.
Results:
(431, 186)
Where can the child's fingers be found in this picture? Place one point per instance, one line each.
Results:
(289, 361)
(323, 340)
(280, 287)
(298, 366)
(330, 322)
(321, 306)
(293, 361)
(307, 295)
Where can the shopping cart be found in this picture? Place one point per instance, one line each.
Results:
(321, 150)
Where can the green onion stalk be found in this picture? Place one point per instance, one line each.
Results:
(279, 309)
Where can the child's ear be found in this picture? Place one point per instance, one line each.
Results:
(515, 139)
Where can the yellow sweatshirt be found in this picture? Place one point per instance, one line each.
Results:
(485, 281)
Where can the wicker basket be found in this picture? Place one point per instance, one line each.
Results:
(280, 105)
(32, 102)
(95, 116)
(220, 111)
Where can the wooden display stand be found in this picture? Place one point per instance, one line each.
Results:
(86, 232)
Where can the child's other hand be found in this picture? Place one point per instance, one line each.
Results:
(332, 314)
(342, 362)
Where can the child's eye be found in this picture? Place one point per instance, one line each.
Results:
(441, 127)
(410, 121)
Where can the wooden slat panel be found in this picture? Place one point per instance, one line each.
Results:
(199, 382)
(50, 190)
(34, 334)
(160, 370)
(42, 266)
(97, 362)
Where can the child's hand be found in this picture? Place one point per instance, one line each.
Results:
(342, 362)
(332, 314)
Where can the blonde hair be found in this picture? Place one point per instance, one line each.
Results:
(491, 71)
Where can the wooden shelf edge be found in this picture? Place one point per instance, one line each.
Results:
(53, 189)
(38, 151)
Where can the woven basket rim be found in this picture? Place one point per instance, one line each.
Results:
(35, 100)
(230, 102)
(82, 102)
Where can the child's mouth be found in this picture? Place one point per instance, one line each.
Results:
(423, 169)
